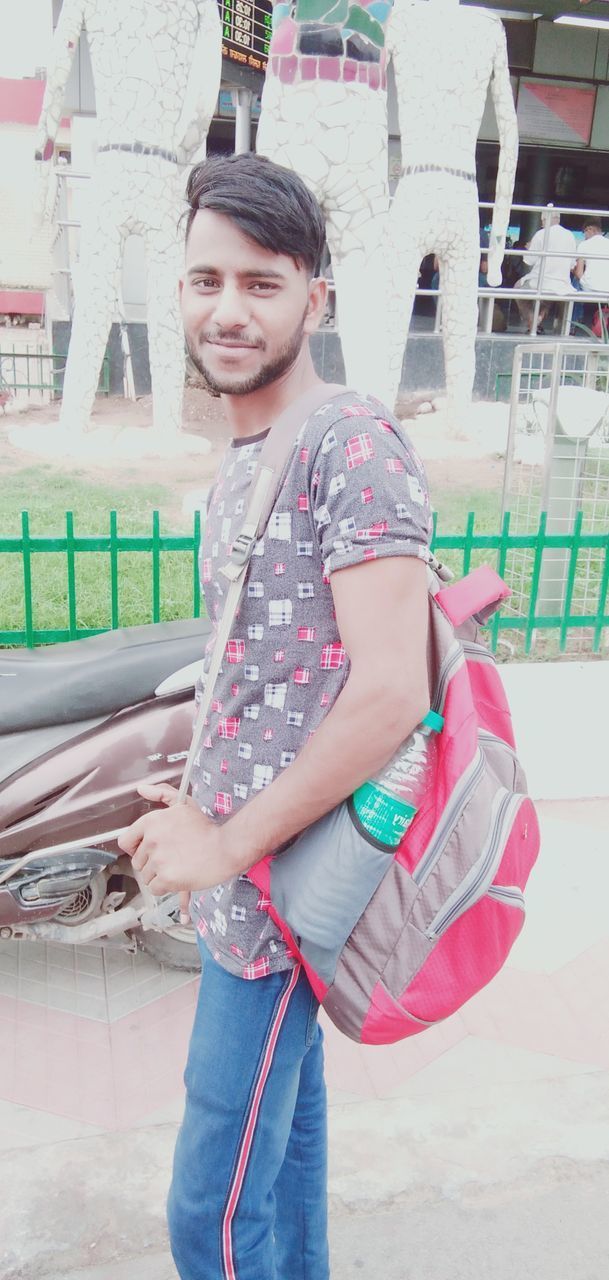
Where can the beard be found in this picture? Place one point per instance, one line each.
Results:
(268, 372)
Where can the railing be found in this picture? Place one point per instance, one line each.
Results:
(100, 606)
(37, 370)
(486, 295)
(111, 546)
(538, 294)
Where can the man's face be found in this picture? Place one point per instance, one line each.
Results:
(590, 231)
(246, 310)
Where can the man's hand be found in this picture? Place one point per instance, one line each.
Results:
(175, 850)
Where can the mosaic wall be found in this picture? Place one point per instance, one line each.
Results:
(326, 40)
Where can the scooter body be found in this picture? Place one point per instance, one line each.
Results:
(80, 725)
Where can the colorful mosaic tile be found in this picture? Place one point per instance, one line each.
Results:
(329, 37)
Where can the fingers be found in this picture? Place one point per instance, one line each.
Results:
(159, 793)
(132, 837)
(185, 908)
(139, 860)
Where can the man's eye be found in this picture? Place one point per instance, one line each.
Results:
(264, 286)
(205, 282)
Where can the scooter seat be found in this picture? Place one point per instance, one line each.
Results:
(64, 683)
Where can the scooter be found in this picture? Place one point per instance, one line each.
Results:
(80, 725)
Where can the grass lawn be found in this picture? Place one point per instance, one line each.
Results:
(47, 494)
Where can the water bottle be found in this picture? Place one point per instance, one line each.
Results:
(386, 805)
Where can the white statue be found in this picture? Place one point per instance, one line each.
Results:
(324, 114)
(156, 70)
(444, 59)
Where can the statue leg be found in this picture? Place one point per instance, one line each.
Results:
(357, 215)
(96, 292)
(359, 264)
(459, 265)
(164, 251)
(335, 136)
(407, 246)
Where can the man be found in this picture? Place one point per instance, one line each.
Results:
(592, 268)
(324, 676)
(549, 275)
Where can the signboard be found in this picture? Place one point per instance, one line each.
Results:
(556, 111)
(246, 32)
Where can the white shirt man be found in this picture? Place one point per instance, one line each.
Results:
(553, 272)
(593, 265)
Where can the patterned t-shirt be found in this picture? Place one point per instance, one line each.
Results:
(355, 490)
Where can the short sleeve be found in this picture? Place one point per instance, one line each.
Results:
(368, 493)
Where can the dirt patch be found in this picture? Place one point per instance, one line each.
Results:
(450, 465)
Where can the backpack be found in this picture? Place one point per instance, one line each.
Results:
(394, 941)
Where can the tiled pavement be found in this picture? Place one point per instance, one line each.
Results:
(93, 1043)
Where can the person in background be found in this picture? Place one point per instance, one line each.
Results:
(549, 275)
(592, 267)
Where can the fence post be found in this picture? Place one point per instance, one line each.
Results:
(156, 567)
(27, 579)
(602, 596)
(114, 569)
(541, 538)
(196, 585)
(71, 574)
(501, 563)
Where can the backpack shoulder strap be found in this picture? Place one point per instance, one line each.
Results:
(270, 472)
(277, 449)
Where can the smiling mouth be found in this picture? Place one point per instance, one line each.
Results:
(232, 346)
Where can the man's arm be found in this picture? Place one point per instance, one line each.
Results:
(381, 612)
(536, 242)
(65, 41)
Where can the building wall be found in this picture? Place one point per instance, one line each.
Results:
(25, 255)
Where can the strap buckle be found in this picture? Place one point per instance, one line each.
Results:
(242, 548)
(441, 571)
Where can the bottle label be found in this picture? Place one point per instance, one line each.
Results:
(384, 816)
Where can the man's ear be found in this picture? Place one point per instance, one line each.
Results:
(318, 296)
(180, 287)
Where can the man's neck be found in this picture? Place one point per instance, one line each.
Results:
(248, 415)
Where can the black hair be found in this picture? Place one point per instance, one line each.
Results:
(592, 222)
(268, 203)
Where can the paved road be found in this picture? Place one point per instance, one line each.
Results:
(554, 1228)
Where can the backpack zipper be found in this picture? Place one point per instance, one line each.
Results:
(510, 895)
(493, 737)
(454, 659)
(481, 877)
(466, 785)
(478, 652)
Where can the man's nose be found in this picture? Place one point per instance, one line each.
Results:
(231, 310)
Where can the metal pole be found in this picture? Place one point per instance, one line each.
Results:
(563, 489)
(563, 470)
(242, 99)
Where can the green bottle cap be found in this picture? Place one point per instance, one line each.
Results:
(434, 721)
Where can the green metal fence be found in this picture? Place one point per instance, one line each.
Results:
(22, 369)
(128, 590)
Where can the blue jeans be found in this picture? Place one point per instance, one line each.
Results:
(248, 1198)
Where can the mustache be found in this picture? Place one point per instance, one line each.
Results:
(235, 336)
